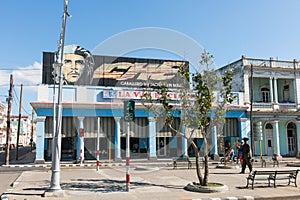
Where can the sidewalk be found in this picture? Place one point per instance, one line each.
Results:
(147, 181)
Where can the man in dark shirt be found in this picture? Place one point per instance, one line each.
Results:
(246, 156)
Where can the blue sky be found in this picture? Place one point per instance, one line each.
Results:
(226, 29)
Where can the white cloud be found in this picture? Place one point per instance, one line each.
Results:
(28, 75)
(4, 78)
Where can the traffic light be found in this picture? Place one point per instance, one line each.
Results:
(129, 110)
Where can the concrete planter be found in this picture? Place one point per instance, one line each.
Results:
(211, 188)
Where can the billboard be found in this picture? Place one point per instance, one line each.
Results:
(86, 69)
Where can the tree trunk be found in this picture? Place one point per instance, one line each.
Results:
(206, 171)
(199, 175)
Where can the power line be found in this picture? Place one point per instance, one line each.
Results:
(16, 96)
(12, 69)
(33, 85)
(17, 85)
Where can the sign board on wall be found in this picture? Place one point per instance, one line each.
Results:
(117, 71)
(134, 94)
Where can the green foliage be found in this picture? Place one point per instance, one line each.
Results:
(196, 104)
(206, 59)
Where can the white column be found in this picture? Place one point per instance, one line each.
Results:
(276, 138)
(247, 89)
(117, 139)
(275, 90)
(244, 131)
(184, 150)
(80, 147)
(40, 139)
(298, 139)
(271, 90)
(152, 139)
(214, 141)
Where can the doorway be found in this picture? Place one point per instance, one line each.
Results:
(291, 139)
(161, 146)
(269, 151)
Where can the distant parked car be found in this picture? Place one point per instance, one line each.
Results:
(21, 145)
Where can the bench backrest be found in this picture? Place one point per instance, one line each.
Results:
(274, 173)
(263, 172)
(294, 172)
(180, 158)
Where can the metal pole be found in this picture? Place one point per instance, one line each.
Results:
(251, 110)
(98, 145)
(31, 135)
(54, 117)
(109, 148)
(19, 123)
(55, 178)
(127, 156)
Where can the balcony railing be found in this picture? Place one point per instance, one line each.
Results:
(269, 63)
(287, 106)
(262, 105)
(282, 106)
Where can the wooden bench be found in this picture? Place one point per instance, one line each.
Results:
(258, 176)
(181, 159)
(290, 175)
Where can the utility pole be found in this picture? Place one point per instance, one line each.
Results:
(19, 123)
(31, 137)
(98, 145)
(8, 121)
(251, 111)
(56, 150)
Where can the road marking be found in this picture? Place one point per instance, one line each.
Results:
(182, 196)
(249, 197)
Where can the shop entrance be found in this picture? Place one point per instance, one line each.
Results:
(161, 146)
(291, 139)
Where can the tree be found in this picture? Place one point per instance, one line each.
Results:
(194, 106)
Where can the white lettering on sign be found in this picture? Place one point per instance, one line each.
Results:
(117, 94)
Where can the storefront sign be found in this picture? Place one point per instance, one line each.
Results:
(117, 94)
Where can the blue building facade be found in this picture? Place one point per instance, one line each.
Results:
(271, 93)
(96, 111)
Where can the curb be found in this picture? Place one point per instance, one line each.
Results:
(62, 165)
(232, 198)
(48, 165)
(5, 195)
(252, 198)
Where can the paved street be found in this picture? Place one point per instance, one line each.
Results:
(6, 178)
(157, 180)
(12, 155)
(157, 183)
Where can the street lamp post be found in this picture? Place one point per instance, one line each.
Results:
(55, 177)
(251, 110)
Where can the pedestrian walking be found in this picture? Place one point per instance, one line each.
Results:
(240, 152)
(246, 156)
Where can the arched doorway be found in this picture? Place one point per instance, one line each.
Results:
(291, 139)
(269, 150)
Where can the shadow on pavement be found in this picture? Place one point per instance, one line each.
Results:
(25, 194)
(36, 189)
(107, 186)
